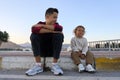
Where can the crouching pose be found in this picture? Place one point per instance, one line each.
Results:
(44, 34)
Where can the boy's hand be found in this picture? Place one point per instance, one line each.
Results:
(82, 56)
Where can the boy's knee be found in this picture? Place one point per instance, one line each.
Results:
(90, 54)
(59, 36)
(33, 37)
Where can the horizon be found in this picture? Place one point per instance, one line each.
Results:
(100, 18)
(65, 43)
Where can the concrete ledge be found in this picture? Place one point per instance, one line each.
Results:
(25, 60)
(65, 62)
(0, 61)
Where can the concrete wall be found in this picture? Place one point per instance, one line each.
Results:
(27, 62)
(0, 62)
(15, 61)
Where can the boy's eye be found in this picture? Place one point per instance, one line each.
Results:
(81, 31)
(55, 17)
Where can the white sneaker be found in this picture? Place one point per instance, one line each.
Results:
(81, 67)
(89, 68)
(34, 70)
(56, 70)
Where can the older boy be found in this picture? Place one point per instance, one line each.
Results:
(53, 31)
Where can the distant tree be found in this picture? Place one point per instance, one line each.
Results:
(3, 37)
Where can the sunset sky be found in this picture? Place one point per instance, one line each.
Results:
(101, 18)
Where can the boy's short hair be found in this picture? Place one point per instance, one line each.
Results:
(51, 11)
(79, 26)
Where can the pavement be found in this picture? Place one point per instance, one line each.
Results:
(15, 74)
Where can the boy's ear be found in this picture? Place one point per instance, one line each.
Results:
(46, 16)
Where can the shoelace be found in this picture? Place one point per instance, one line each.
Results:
(81, 66)
(34, 67)
(57, 67)
(89, 67)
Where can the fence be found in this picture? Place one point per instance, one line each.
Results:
(105, 45)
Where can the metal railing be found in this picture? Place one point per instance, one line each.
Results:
(105, 45)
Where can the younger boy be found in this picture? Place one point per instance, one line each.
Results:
(79, 46)
(53, 32)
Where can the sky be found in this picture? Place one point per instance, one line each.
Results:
(101, 18)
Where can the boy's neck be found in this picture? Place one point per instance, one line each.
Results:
(48, 23)
(79, 36)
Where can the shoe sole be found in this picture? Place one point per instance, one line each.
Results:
(33, 74)
(81, 71)
(57, 74)
(90, 71)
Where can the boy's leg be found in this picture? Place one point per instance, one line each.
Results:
(89, 62)
(37, 59)
(57, 45)
(37, 68)
(75, 57)
(89, 58)
(35, 42)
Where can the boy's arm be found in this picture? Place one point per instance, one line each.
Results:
(85, 47)
(43, 30)
(55, 27)
(73, 46)
(40, 27)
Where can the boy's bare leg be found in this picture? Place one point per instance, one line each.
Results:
(55, 60)
(38, 59)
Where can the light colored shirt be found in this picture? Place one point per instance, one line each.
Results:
(79, 44)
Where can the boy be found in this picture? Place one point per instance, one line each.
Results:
(53, 32)
(79, 46)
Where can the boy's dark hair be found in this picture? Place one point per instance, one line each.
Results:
(51, 11)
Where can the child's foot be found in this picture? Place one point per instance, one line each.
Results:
(34, 70)
(81, 68)
(90, 69)
(56, 70)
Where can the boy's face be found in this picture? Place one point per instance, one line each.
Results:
(80, 32)
(52, 18)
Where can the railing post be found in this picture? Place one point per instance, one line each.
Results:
(109, 45)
